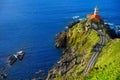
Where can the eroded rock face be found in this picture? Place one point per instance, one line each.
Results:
(67, 61)
(61, 42)
(61, 39)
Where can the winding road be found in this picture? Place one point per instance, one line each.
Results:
(96, 52)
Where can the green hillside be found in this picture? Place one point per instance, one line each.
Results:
(83, 42)
(80, 47)
(107, 66)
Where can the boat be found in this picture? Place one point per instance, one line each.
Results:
(20, 55)
(12, 59)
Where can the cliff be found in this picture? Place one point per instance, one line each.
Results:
(79, 43)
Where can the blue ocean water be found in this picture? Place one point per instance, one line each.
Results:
(32, 25)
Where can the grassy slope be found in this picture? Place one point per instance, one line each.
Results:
(83, 41)
(108, 65)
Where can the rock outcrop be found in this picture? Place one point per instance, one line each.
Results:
(61, 39)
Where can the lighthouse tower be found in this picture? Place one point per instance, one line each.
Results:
(95, 16)
(96, 11)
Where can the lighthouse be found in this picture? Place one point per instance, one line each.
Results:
(96, 11)
(95, 16)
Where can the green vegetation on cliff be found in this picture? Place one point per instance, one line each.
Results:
(107, 66)
(80, 42)
(83, 42)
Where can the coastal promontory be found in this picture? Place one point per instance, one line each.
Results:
(89, 52)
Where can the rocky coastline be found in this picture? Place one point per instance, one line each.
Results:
(71, 41)
(67, 60)
(70, 59)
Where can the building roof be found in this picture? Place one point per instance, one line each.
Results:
(95, 17)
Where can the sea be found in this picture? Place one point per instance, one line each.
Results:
(31, 25)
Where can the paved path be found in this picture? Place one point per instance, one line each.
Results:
(96, 52)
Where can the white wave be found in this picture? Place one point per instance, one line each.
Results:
(111, 24)
(81, 19)
(59, 62)
(75, 17)
(117, 25)
(66, 27)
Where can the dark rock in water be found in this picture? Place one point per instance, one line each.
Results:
(110, 32)
(20, 55)
(61, 39)
(3, 75)
(12, 59)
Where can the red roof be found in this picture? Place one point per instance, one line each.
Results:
(95, 17)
